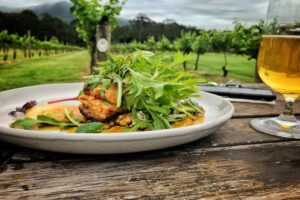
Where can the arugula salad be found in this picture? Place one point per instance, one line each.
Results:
(134, 92)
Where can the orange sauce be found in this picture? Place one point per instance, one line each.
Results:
(115, 129)
(188, 121)
(56, 111)
(50, 128)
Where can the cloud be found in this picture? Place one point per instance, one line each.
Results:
(24, 3)
(200, 13)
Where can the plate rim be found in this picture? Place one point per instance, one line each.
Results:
(132, 136)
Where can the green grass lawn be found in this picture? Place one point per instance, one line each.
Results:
(210, 67)
(71, 67)
(239, 67)
(68, 67)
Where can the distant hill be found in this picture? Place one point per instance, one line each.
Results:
(123, 22)
(59, 9)
(8, 9)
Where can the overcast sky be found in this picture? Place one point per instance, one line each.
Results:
(201, 13)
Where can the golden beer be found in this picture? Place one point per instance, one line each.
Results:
(279, 63)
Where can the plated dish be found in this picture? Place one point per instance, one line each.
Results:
(138, 110)
(135, 92)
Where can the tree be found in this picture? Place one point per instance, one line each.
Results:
(164, 44)
(246, 40)
(184, 44)
(16, 43)
(134, 46)
(5, 41)
(200, 46)
(92, 14)
(140, 25)
(42, 28)
(27, 20)
(221, 42)
(151, 43)
(274, 28)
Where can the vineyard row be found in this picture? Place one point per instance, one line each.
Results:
(13, 46)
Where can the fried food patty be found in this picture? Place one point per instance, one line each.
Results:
(97, 107)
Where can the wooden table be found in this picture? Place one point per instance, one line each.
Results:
(236, 162)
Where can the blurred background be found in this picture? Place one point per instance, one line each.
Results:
(50, 41)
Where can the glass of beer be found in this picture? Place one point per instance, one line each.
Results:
(279, 65)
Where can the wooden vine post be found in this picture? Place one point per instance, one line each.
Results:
(29, 43)
(102, 43)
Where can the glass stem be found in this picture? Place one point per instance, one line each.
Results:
(288, 114)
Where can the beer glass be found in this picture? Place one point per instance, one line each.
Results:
(279, 65)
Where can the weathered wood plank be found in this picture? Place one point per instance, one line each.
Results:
(245, 171)
(5, 155)
(234, 132)
(261, 110)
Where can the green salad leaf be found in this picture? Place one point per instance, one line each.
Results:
(50, 121)
(70, 118)
(93, 127)
(28, 123)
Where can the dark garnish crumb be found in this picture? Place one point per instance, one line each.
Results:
(25, 107)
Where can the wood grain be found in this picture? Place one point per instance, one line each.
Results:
(239, 172)
(261, 110)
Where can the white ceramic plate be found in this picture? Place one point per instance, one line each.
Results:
(218, 111)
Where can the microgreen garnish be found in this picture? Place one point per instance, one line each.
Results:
(150, 85)
(119, 95)
(93, 127)
(68, 116)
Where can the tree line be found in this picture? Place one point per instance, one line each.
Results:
(29, 45)
(42, 28)
(142, 27)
